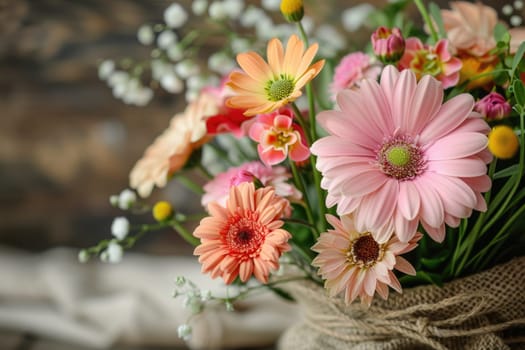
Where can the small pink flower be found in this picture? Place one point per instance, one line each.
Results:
(217, 190)
(351, 70)
(388, 44)
(355, 264)
(493, 106)
(435, 61)
(278, 136)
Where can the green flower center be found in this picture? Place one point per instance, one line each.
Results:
(400, 158)
(279, 89)
(398, 155)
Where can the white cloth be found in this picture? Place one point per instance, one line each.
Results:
(95, 304)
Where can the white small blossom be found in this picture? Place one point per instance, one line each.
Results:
(218, 11)
(145, 35)
(196, 82)
(143, 96)
(160, 68)
(83, 256)
(166, 39)
(118, 77)
(271, 5)
(199, 7)
(229, 306)
(114, 252)
(515, 21)
(233, 8)
(184, 332)
(186, 69)
(264, 29)
(104, 256)
(191, 95)
(105, 69)
(205, 295)
(251, 16)
(175, 52)
(180, 281)
(354, 17)
(172, 83)
(239, 45)
(120, 227)
(518, 4)
(221, 62)
(113, 200)
(175, 15)
(126, 199)
(284, 30)
(507, 10)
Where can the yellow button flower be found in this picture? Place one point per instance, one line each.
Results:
(503, 142)
(162, 211)
(292, 10)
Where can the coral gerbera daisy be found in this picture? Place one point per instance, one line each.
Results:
(355, 264)
(396, 156)
(264, 87)
(244, 238)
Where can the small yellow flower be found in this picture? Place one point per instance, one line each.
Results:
(292, 10)
(503, 142)
(162, 211)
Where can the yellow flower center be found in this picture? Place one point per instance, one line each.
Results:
(503, 142)
(162, 210)
(278, 90)
(398, 156)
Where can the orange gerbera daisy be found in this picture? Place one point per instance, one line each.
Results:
(244, 238)
(264, 87)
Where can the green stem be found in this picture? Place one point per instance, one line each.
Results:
(426, 17)
(185, 234)
(300, 185)
(300, 120)
(190, 184)
(299, 222)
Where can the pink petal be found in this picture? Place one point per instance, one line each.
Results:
(364, 183)
(432, 210)
(409, 201)
(404, 266)
(370, 282)
(457, 145)
(465, 167)
(282, 122)
(401, 102)
(425, 103)
(451, 114)
(436, 233)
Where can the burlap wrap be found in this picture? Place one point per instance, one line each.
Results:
(481, 311)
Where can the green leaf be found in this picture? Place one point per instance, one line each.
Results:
(430, 277)
(519, 91)
(281, 293)
(433, 263)
(501, 34)
(508, 171)
(517, 58)
(435, 13)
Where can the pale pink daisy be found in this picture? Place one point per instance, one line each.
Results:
(171, 150)
(217, 189)
(244, 238)
(355, 264)
(396, 156)
(351, 70)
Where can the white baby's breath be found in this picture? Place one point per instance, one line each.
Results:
(184, 332)
(105, 69)
(172, 83)
(220, 62)
(166, 39)
(251, 16)
(175, 52)
(186, 69)
(120, 227)
(175, 15)
(199, 7)
(114, 252)
(218, 11)
(271, 5)
(233, 8)
(126, 199)
(354, 17)
(516, 21)
(145, 35)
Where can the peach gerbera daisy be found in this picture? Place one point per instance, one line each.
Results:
(397, 156)
(244, 238)
(172, 149)
(355, 264)
(264, 87)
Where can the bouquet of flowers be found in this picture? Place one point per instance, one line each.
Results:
(392, 166)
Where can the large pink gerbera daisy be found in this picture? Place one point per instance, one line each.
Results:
(356, 264)
(245, 238)
(397, 156)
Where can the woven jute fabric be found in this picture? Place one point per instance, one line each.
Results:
(482, 311)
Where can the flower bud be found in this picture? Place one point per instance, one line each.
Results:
(503, 142)
(493, 107)
(292, 10)
(388, 44)
(162, 211)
